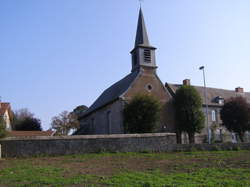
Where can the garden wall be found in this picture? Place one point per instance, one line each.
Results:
(65, 145)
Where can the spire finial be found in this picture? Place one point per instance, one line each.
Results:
(140, 1)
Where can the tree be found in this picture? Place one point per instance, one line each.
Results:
(188, 113)
(64, 123)
(24, 120)
(28, 124)
(235, 116)
(3, 131)
(142, 114)
(78, 111)
(23, 113)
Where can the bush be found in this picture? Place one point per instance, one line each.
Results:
(141, 115)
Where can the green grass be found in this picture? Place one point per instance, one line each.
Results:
(191, 169)
(202, 177)
(25, 175)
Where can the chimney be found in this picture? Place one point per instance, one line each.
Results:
(239, 90)
(186, 82)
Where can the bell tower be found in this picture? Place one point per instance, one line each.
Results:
(143, 54)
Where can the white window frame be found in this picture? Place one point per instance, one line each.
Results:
(213, 115)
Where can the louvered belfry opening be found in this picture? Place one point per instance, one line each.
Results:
(147, 56)
(134, 56)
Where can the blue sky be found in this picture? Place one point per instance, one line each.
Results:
(58, 54)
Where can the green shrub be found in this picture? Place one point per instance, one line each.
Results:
(142, 114)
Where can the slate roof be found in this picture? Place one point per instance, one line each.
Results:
(112, 93)
(212, 93)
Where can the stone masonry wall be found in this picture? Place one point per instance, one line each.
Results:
(51, 146)
(24, 147)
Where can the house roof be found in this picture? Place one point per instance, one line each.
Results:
(4, 107)
(112, 93)
(212, 93)
(30, 133)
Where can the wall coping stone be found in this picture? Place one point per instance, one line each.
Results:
(114, 136)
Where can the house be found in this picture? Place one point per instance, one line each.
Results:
(215, 102)
(104, 116)
(6, 114)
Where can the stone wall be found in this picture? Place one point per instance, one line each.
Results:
(64, 145)
(50, 146)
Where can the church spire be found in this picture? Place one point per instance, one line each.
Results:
(141, 34)
(143, 54)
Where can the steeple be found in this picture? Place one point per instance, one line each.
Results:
(141, 34)
(143, 54)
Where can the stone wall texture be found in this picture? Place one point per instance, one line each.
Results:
(51, 146)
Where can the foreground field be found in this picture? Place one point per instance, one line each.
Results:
(222, 168)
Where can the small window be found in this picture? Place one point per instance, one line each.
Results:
(147, 56)
(109, 122)
(92, 125)
(213, 115)
(149, 87)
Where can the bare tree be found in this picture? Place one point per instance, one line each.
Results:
(64, 123)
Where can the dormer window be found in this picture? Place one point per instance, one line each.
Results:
(219, 100)
(147, 56)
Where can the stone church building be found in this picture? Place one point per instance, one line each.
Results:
(105, 115)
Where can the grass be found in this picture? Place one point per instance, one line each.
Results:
(216, 168)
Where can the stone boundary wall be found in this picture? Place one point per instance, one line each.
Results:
(65, 145)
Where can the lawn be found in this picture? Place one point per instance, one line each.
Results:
(217, 168)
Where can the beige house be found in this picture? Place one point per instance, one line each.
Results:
(6, 113)
(215, 101)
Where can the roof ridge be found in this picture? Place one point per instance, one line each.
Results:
(206, 87)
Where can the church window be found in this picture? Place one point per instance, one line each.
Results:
(92, 124)
(109, 122)
(147, 55)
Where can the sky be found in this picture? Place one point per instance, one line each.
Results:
(58, 54)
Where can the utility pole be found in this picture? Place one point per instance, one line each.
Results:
(205, 95)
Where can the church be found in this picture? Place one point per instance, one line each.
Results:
(104, 116)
